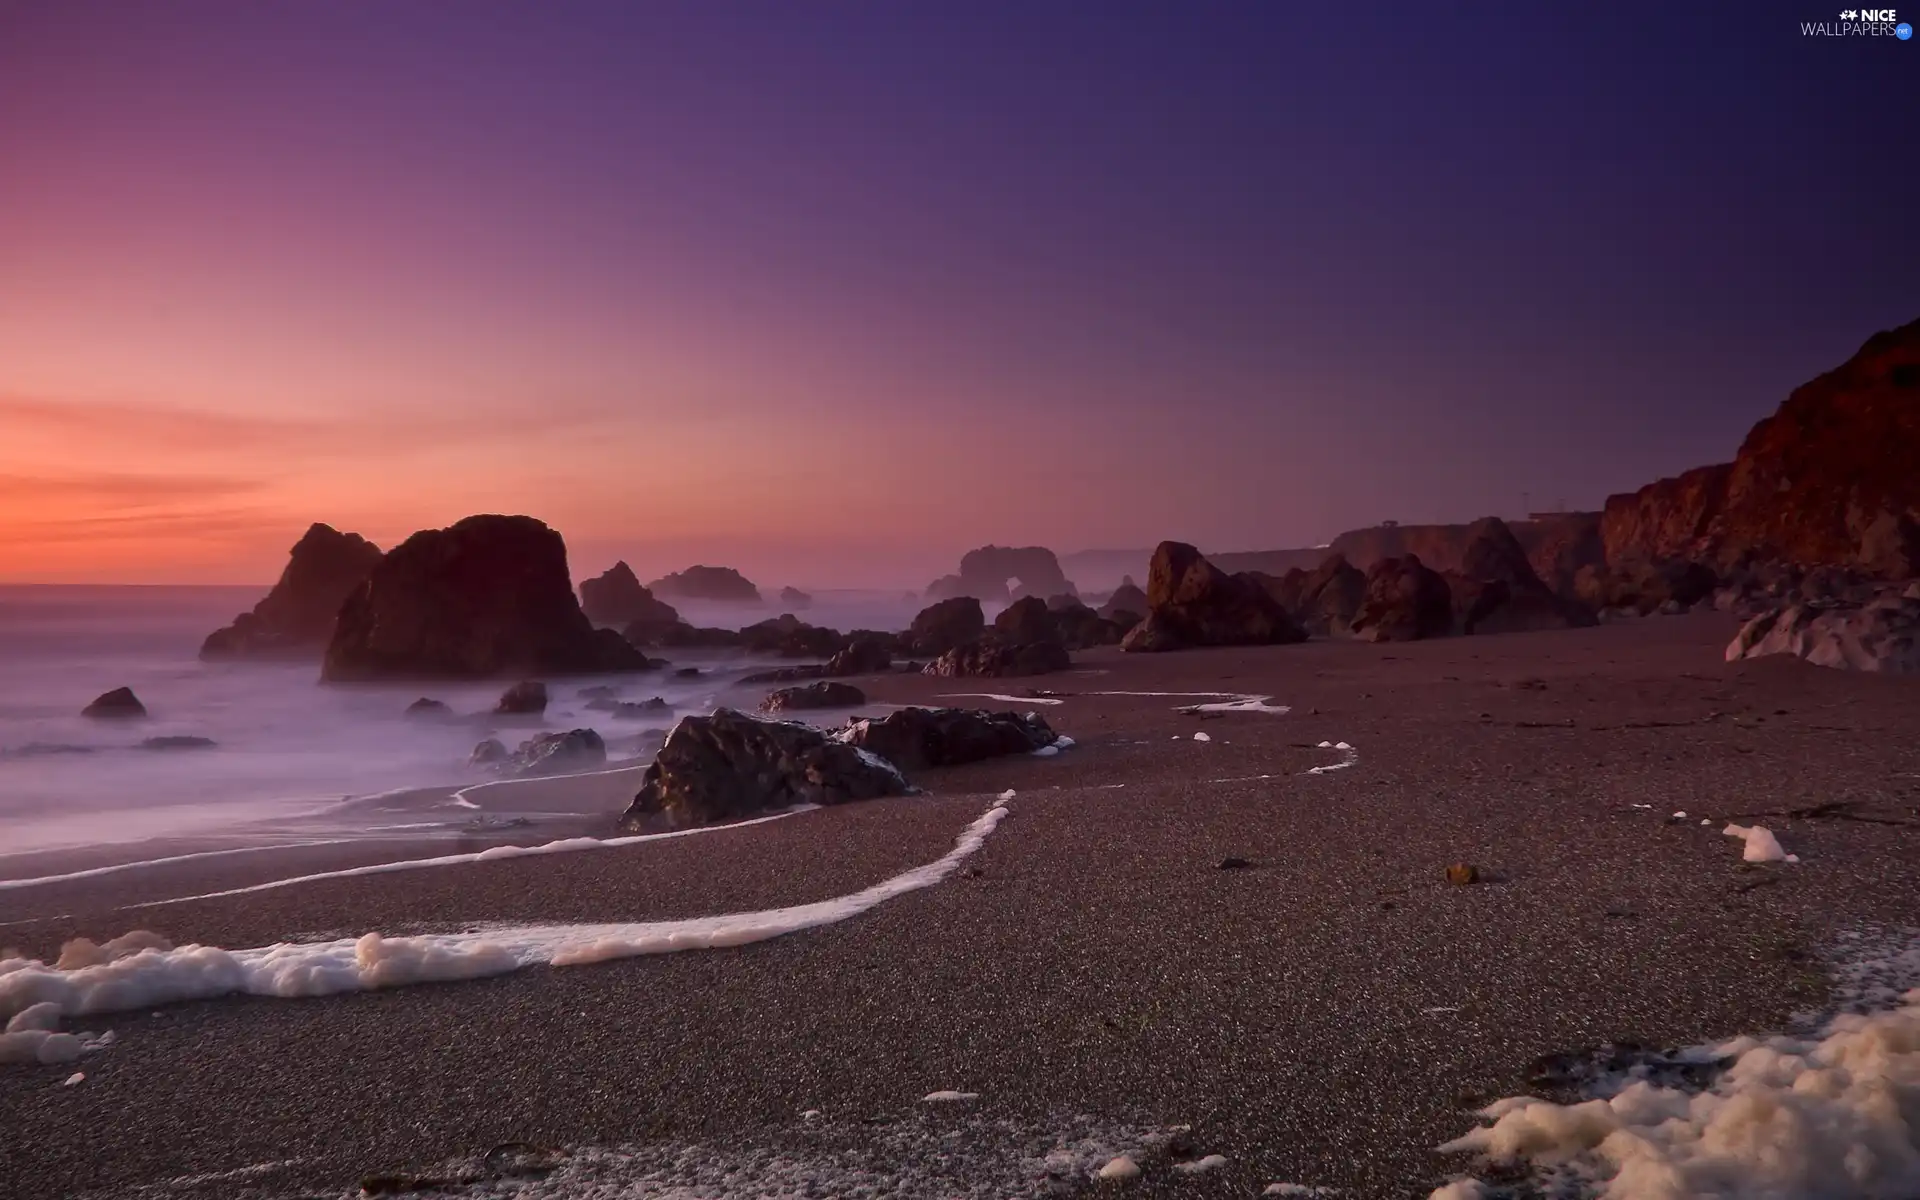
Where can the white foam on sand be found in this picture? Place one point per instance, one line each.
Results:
(1063, 742)
(1761, 845)
(136, 973)
(1002, 699)
(116, 868)
(1200, 1166)
(948, 1097)
(1831, 1115)
(463, 797)
(1349, 756)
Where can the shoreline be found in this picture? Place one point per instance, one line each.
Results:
(1323, 1017)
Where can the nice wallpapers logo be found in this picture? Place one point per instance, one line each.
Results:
(1860, 22)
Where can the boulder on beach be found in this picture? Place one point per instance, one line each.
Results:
(617, 597)
(865, 653)
(993, 657)
(524, 699)
(297, 616)
(118, 704)
(485, 597)
(559, 754)
(825, 694)
(944, 625)
(1882, 635)
(1027, 619)
(732, 765)
(1078, 627)
(720, 584)
(1498, 591)
(1191, 602)
(1405, 602)
(916, 738)
(1328, 598)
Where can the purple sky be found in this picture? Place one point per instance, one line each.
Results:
(834, 291)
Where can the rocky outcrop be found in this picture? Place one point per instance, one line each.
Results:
(944, 625)
(559, 754)
(527, 698)
(1405, 601)
(794, 598)
(721, 584)
(993, 657)
(1190, 602)
(917, 738)
(1027, 619)
(1828, 479)
(617, 597)
(1326, 599)
(730, 766)
(987, 573)
(1556, 545)
(117, 705)
(1642, 587)
(814, 695)
(865, 653)
(1497, 591)
(1078, 627)
(296, 617)
(485, 597)
(426, 706)
(1127, 598)
(1882, 635)
(789, 637)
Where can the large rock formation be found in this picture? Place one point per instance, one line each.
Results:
(617, 597)
(813, 695)
(1556, 545)
(1191, 602)
(120, 704)
(1127, 598)
(1078, 627)
(558, 754)
(1326, 599)
(992, 657)
(941, 626)
(1405, 601)
(794, 598)
(485, 597)
(296, 617)
(915, 738)
(986, 573)
(1882, 635)
(707, 583)
(731, 765)
(1497, 591)
(1828, 479)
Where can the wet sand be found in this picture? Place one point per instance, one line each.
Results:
(1324, 1017)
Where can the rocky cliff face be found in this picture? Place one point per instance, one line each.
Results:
(297, 616)
(487, 596)
(1556, 546)
(1829, 479)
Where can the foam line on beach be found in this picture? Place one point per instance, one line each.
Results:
(459, 799)
(490, 854)
(116, 868)
(1218, 702)
(137, 974)
(1003, 699)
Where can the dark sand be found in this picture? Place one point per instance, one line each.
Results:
(1097, 964)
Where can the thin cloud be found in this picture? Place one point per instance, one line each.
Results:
(121, 489)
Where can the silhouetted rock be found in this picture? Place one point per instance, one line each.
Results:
(865, 653)
(618, 598)
(559, 753)
(486, 597)
(789, 637)
(916, 738)
(1191, 602)
(1330, 596)
(1027, 619)
(993, 657)
(488, 753)
(985, 574)
(731, 765)
(707, 583)
(1828, 479)
(1882, 635)
(940, 627)
(1405, 601)
(1646, 587)
(794, 598)
(1127, 598)
(178, 742)
(297, 616)
(427, 707)
(118, 704)
(1078, 627)
(527, 698)
(815, 695)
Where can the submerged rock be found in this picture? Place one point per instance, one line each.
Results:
(817, 695)
(731, 765)
(118, 704)
(1881, 636)
(525, 699)
(915, 738)
(428, 707)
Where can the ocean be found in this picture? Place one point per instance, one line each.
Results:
(291, 756)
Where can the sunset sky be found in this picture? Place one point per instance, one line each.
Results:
(834, 291)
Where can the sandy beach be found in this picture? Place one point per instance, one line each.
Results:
(1325, 1016)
